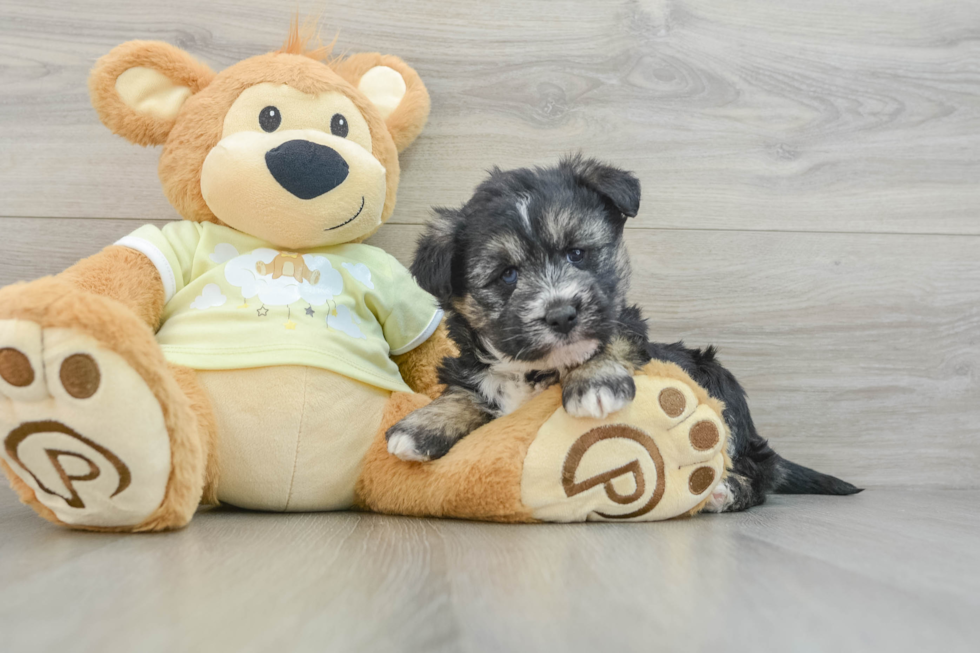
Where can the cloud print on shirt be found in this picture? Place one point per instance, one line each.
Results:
(223, 252)
(345, 321)
(241, 272)
(210, 297)
(360, 272)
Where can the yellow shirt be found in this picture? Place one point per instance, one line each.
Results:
(233, 302)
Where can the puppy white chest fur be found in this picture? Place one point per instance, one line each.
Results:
(508, 384)
(508, 389)
(505, 389)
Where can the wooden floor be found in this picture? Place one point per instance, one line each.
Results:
(881, 571)
(811, 204)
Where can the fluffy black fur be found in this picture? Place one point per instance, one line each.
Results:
(534, 243)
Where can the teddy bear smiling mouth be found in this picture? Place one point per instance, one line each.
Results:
(350, 219)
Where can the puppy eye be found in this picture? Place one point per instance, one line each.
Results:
(338, 126)
(509, 276)
(270, 119)
(575, 255)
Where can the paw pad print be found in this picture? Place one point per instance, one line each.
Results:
(658, 458)
(80, 427)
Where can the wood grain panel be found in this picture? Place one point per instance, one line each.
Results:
(860, 353)
(830, 116)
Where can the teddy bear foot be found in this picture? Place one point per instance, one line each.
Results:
(82, 437)
(660, 457)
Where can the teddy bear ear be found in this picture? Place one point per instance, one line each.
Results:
(140, 86)
(394, 88)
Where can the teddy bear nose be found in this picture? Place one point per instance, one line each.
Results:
(306, 169)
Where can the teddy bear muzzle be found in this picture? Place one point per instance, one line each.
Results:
(296, 189)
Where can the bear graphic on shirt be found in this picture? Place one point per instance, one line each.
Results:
(281, 278)
(288, 264)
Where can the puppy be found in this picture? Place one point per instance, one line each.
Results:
(533, 275)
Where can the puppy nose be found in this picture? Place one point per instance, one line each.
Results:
(561, 317)
(306, 169)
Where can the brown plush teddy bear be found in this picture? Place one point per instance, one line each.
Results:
(255, 353)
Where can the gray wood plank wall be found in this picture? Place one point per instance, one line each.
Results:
(811, 176)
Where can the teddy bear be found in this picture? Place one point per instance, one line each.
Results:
(255, 352)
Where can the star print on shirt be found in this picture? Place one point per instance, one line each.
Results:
(310, 311)
(262, 311)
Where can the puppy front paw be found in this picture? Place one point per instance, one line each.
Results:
(598, 395)
(414, 442)
(402, 444)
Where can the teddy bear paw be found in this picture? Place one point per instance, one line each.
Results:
(659, 457)
(80, 427)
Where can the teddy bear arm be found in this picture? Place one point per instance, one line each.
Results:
(124, 275)
(420, 366)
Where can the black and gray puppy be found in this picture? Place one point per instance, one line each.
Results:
(533, 274)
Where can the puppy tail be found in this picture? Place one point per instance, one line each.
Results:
(791, 478)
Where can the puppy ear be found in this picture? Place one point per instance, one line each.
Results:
(433, 265)
(140, 86)
(394, 88)
(620, 187)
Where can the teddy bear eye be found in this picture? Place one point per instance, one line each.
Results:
(338, 126)
(270, 119)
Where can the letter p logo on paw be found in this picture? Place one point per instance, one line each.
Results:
(80, 427)
(52, 475)
(657, 458)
